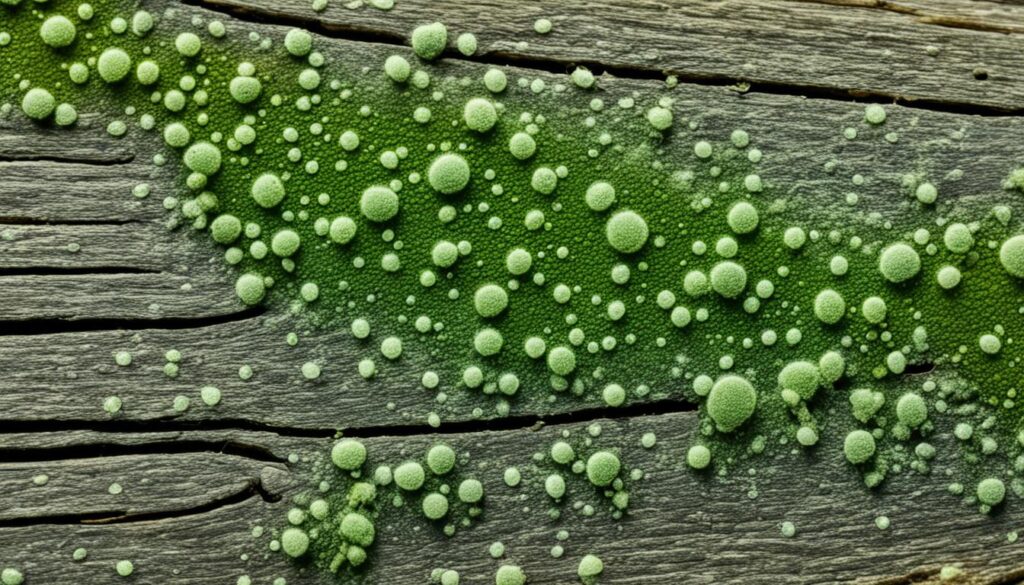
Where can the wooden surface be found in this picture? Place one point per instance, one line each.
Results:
(194, 484)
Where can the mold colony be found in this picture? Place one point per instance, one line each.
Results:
(507, 240)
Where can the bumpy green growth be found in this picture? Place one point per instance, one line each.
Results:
(38, 104)
(57, 31)
(859, 446)
(731, 402)
(448, 174)
(626, 231)
(348, 454)
(378, 204)
(429, 40)
(991, 491)
(602, 468)
(899, 263)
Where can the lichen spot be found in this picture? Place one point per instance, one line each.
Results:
(731, 402)
(626, 231)
(602, 468)
(899, 263)
(448, 174)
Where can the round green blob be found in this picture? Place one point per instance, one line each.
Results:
(480, 115)
(466, 43)
(294, 542)
(267, 190)
(874, 310)
(203, 158)
(731, 402)
(948, 277)
(435, 506)
(509, 575)
(801, 377)
(1011, 256)
(590, 567)
(12, 576)
(378, 204)
(627, 232)
(613, 395)
(448, 174)
(245, 89)
(441, 459)
(743, 218)
(488, 342)
(113, 65)
(188, 44)
(698, 457)
(899, 263)
(561, 360)
(911, 410)
(342, 230)
(829, 307)
(410, 476)
(298, 42)
(544, 180)
(991, 491)
(348, 454)
(250, 289)
(471, 491)
(285, 243)
(495, 80)
(522, 145)
(990, 344)
(429, 40)
(602, 468)
(518, 261)
(176, 135)
(728, 279)
(490, 300)
(123, 568)
(397, 68)
(660, 118)
(444, 254)
(859, 446)
(357, 529)
(147, 72)
(831, 366)
(958, 238)
(38, 104)
(65, 115)
(225, 229)
(57, 31)
(600, 196)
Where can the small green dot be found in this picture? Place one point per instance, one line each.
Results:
(245, 89)
(57, 31)
(298, 42)
(348, 454)
(435, 506)
(38, 104)
(626, 232)
(113, 65)
(448, 174)
(429, 40)
(602, 468)
(859, 446)
(397, 68)
(899, 263)
(124, 568)
(731, 402)
(379, 204)
(522, 145)
(410, 476)
(188, 44)
(561, 360)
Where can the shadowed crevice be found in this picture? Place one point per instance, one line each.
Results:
(161, 446)
(56, 326)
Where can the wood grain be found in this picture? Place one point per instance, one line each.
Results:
(682, 527)
(936, 52)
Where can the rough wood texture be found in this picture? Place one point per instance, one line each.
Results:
(194, 488)
(682, 527)
(872, 47)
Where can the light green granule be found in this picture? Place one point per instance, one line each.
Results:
(466, 44)
(11, 576)
(512, 477)
(788, 529)
(590, 567)
(123, 358)
(542, 26)
(429, 40)
(180, 403)
(80, 554)
(210, 395)
(112, 404)
(124, 568)
(648, 440)
(698, 457)
(874, 114)
(882, 522)
(496, 550)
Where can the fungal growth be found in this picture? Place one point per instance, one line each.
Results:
(516, 242)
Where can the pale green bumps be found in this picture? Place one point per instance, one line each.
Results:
(1011, 256)
(518, 261)
(626, 231)
(829, 307)
(874, 310)
(698, 457)
(250, 288)
(410, 476)
(294, 542)
(448, 174)
(590, 567)
(602, 468)
(397, 68)
(859, 446)
(379, 204)
(728, 279)
(600, 196)
(743, 218)
(342, 230)
(298, 42)
(285, 243)
(267, 190)
(801, 377)
(480, 115)
(911, 410)
(188, 44)
(348, 454)
(203, 158)
(245, 89)
(899, 263)
(357, 529)
(731, 402)
(488, 342)
(991, 491)
(509, 575)
(113, 65)
(522, 145)
(38, 104)
(435, 506)
(544, 180)
(440, 459)
(958, 238)
(561, 360)
(490, 300)
(57, 31)
(429, 40)
(660, 118)
(225, 229)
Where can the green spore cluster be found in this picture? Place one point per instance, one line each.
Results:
(524, 245)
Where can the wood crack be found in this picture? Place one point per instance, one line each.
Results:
(949, 21)
(252, 451)
(54, 326)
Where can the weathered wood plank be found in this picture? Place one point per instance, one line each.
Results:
(20, 140)
(145, 296)
(936, 52)
(46, 190)
(121, 487)
(145, 246)
(682, 526)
